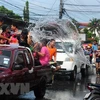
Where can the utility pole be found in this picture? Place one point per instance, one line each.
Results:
(61, 9)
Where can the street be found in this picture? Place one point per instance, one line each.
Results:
(64, 89)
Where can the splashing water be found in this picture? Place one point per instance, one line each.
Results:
(62, 30)
(55, 29)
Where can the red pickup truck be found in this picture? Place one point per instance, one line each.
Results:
(17, 66)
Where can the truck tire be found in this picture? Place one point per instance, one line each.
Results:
(4, 97)
(84, 71)
(73, 74)
(40, 90)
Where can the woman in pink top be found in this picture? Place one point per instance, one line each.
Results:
(43, 54)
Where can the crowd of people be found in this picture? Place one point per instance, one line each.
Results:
(93, 50)
(43, 51)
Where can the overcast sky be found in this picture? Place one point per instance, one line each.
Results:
(51, 8)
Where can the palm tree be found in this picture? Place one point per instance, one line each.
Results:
(94, 26)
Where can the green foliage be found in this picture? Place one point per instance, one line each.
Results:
(26, 12)
(97, 38)
(94, 24)
(88, 33)
(9, 13)
(86, 30)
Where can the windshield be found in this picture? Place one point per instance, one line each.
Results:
(68, 46)
(5, 58)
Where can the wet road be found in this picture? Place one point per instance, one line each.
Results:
(64, 89)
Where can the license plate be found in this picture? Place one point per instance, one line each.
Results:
(87, 95)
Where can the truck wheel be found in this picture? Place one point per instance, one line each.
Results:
(73, 74)
(84, 71)
(4, 97)
(40, 90)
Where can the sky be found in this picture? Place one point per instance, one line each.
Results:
(81, 10)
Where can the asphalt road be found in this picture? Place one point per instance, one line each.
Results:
(64, 89)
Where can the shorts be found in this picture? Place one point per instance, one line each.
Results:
(98, 60)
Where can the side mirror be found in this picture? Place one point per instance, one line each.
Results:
(17, 67)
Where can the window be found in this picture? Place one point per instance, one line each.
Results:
(65, 46)
(20, 59)
(29, 58)
(5, 57)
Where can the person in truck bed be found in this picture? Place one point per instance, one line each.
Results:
(14, 29)
(53, 52)
(5, 33)
(43, 54)
(3, 37)
(23, 38)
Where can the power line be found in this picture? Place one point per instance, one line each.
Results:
(40, 6)
(31, 17)
(82, 11)
(89, 15)
(82, 5)
(52, 7)
(67, 15)
(31, 12)
(85, 13)
(21, 8)
(31, 7)
(35, 14)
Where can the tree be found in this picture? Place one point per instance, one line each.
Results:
(26, 12)
(9, 13)
(95, 26)
(90, 36)
(88, 33)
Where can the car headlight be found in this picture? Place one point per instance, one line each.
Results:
(69, 59)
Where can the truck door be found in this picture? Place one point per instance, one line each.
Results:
(30, 77)
(19, 67)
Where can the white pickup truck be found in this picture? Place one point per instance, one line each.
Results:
(71, 58)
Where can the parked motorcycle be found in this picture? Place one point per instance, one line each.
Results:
(94, 93)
